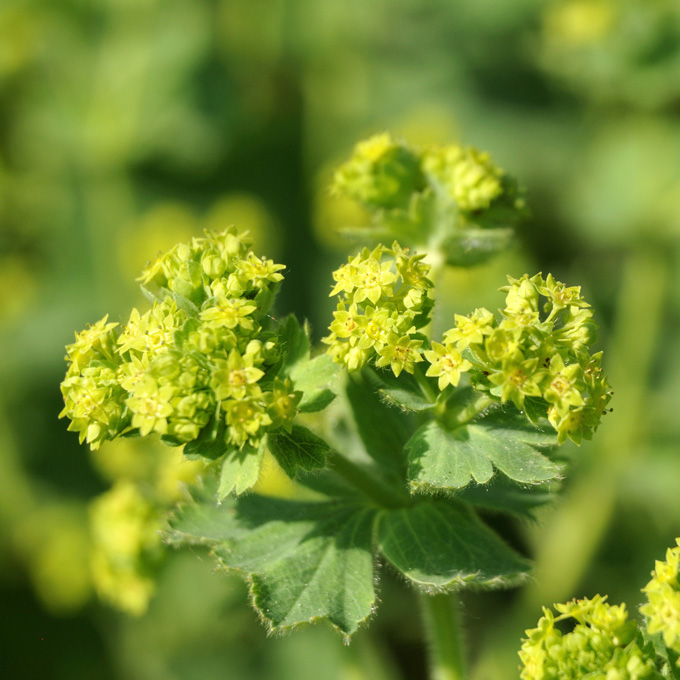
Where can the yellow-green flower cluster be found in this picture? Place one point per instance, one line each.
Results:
(603, 645)
(384, 300)
(201, 355)
(662, 609)
(538, 350)
(469, 176)
(126, 546)
(382, 173)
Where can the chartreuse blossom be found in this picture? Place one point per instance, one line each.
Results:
(538, 350)
(447, 364)
(662, 609)
(382, 173)
(603, 645)
(385, 174)
(125, 528)
(384, 300)
(202, 354)
(468, 175)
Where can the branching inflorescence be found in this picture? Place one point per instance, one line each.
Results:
(429, 435)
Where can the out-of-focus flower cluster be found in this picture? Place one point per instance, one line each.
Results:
(614, 50)
(662, 609)
(604, 645)
(384, 173)
(384, 300)
(201, 357)
(537, 356)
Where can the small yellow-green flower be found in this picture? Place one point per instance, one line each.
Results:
(470, 329)
(400, 354)
(282, 402)
(447, 363)
(230, 313)
(236, 377)
(151, 405)
(517, 380)
(246, 418)
(98, 341)
(563, 385)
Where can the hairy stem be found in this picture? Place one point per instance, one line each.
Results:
(425, 386)
(385, 496)
(442, 625)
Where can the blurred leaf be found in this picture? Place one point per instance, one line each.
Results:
(441, 544)
(474, 245)
(504, 496)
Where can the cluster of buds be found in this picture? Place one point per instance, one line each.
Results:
(603, 644)
(384, 300)
(537, 352)
(384, 173)
(468, 175)
(126, 546)
(662, 609)
(201, 357)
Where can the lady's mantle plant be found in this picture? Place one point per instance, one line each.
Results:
(400, 443)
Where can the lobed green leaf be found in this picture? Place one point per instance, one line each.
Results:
(241, 469)
(441, 544)
(298, 449)
(443, 458)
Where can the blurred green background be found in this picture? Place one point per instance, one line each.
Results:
(129, 125)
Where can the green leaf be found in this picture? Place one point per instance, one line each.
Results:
(504, 496)
(304, 561)
(298, 449)
(383, 430)
(211, 441)
(443, 545)
(200, 521)
(440, 458)
(404, 391)
(315, 378)
(241, 469)
(295, 342)
(472, 245)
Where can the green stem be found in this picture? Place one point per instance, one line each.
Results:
(465, 415)
(424, 384)
(384, 495)
(442, 625)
